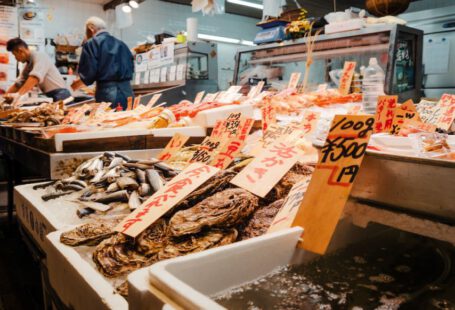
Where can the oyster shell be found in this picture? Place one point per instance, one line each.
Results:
(224, 209)
(89, 234)
(217, 183)
(209, 239)
(258, 224)
(153, 239)
(117, 256)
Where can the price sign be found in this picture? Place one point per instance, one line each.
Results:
(173, 146)
(406, 111)
(332, 179)
(199, 97)
(285, 217)
(267, 169)
(294, 80)
(447, 114)
(429, 111)
(346, 77)
(245, 128)
(129, 103)
(268, 115)
(385, 112)
(231, 125)
(227, 153)
(165, 199)
(153, 101)
(206, 150)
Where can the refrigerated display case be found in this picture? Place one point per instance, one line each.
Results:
(193, 68)
(398, 50)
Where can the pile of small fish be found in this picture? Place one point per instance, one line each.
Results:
(110, 180)
(216, 214)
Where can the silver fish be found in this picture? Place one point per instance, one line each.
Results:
(145, 189)
(140, 175)
(134, 201)
(116, 161)
(127, 183)
(113, 197)
(154, 179)
(113, 187)
(98, 176)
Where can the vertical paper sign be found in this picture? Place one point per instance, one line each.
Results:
(256, 90)
(346, 77)
(294, 80)
(217, 130)
(288, 211)
(267, 169)
(176, 143)
(153, 101)
(206, 150)
(165, 199)
(385, 112)
(406, 111)
(332, 180)
(268, 115)
(427, 111)
(309, 122)
(447, 115)
(231, 125)
(227, 153)
(199, 97)
(129, 103)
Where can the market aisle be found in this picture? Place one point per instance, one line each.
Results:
(20, 285)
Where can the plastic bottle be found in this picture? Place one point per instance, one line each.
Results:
(163, 120)
(372, 86)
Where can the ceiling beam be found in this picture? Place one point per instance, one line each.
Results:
(113, 3)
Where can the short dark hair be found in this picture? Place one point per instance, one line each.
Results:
(12, 44)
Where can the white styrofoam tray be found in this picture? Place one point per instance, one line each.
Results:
(76, 281)
(189, 281)
(193, 131)
(210, 117)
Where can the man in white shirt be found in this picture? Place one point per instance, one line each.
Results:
(39, 71)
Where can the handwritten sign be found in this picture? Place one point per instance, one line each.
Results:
(429, 111)
(447, 115)
(332, 179)
(285, 217)
(165, 199)
(217, 130)
(227, 153)
(153, 100)
(267, 169)
(129, 103)
(173, 146)
(256, 90)
(309, 122)
(294, 80)
(206, 150)
(385, 112)
(199, 97)
(346, 77)
(406, 111)
(268, 115)
(245, 128)
(413, 126)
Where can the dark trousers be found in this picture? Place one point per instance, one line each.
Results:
(59, 94)
(116, 93)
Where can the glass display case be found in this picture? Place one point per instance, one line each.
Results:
(177, 71)
(397, 48)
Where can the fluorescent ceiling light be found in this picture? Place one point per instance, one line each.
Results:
(217, 38)
(133, 4)
(247, 3)
(245, 42)
(126, 8)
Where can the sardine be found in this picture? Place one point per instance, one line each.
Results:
(113, 197)
(134, 201)
(69, 180)
(145, 189)
(167, 170)
(138, 166)
(116, 161)
(98, 176)
(125, 157)
(72, 187)
(154, 179)
(79, 182)
(127, 183)
(140, 175)
(84, 212)
(94, 205)
(44, 185)
(55, 195)
(113, 187)
(112, 175)
(151, 162)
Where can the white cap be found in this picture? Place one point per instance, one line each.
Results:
(373, 61)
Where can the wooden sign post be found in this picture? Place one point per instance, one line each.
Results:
(332, 180)
(346, 77)
(173, 146)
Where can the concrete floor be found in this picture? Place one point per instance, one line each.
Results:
(20, 281)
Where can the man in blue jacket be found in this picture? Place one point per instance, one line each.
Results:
(106, 61)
